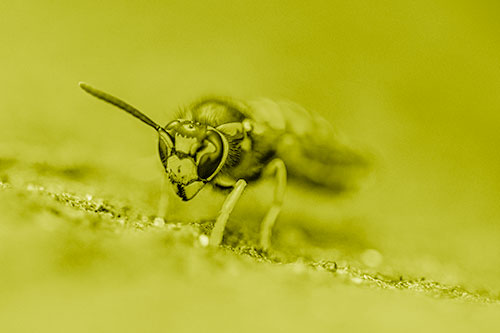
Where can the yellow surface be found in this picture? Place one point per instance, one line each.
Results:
(416, 82)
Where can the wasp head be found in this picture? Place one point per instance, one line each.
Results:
(192, 155)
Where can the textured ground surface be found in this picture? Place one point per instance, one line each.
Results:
(415, 83)
(73, 259)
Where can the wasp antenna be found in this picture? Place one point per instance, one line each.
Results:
(119, 103)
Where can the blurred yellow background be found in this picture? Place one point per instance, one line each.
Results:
(416, 82)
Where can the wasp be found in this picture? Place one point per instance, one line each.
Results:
(229, 143)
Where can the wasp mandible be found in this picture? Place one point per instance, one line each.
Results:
(229, 143)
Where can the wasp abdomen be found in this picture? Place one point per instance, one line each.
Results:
(310, 147)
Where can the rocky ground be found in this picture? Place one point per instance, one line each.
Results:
(78, 258)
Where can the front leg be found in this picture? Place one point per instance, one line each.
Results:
(227, 208)
(164, 197)
(278, 168)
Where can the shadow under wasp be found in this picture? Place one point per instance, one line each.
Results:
(229, 143)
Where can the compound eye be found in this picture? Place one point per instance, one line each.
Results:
(210, 157)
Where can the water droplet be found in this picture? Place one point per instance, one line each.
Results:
(158, 222)
(203, 239)
(372, 258)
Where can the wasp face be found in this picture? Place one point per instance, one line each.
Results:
(192, 154)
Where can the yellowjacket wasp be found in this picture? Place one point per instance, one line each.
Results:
(229, 143)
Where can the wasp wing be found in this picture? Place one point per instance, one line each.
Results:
(312, 151)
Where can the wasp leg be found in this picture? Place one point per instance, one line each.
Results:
(278, 168)
(227, 208)
(164, 200)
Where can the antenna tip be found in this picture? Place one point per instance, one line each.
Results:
(86, 87)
